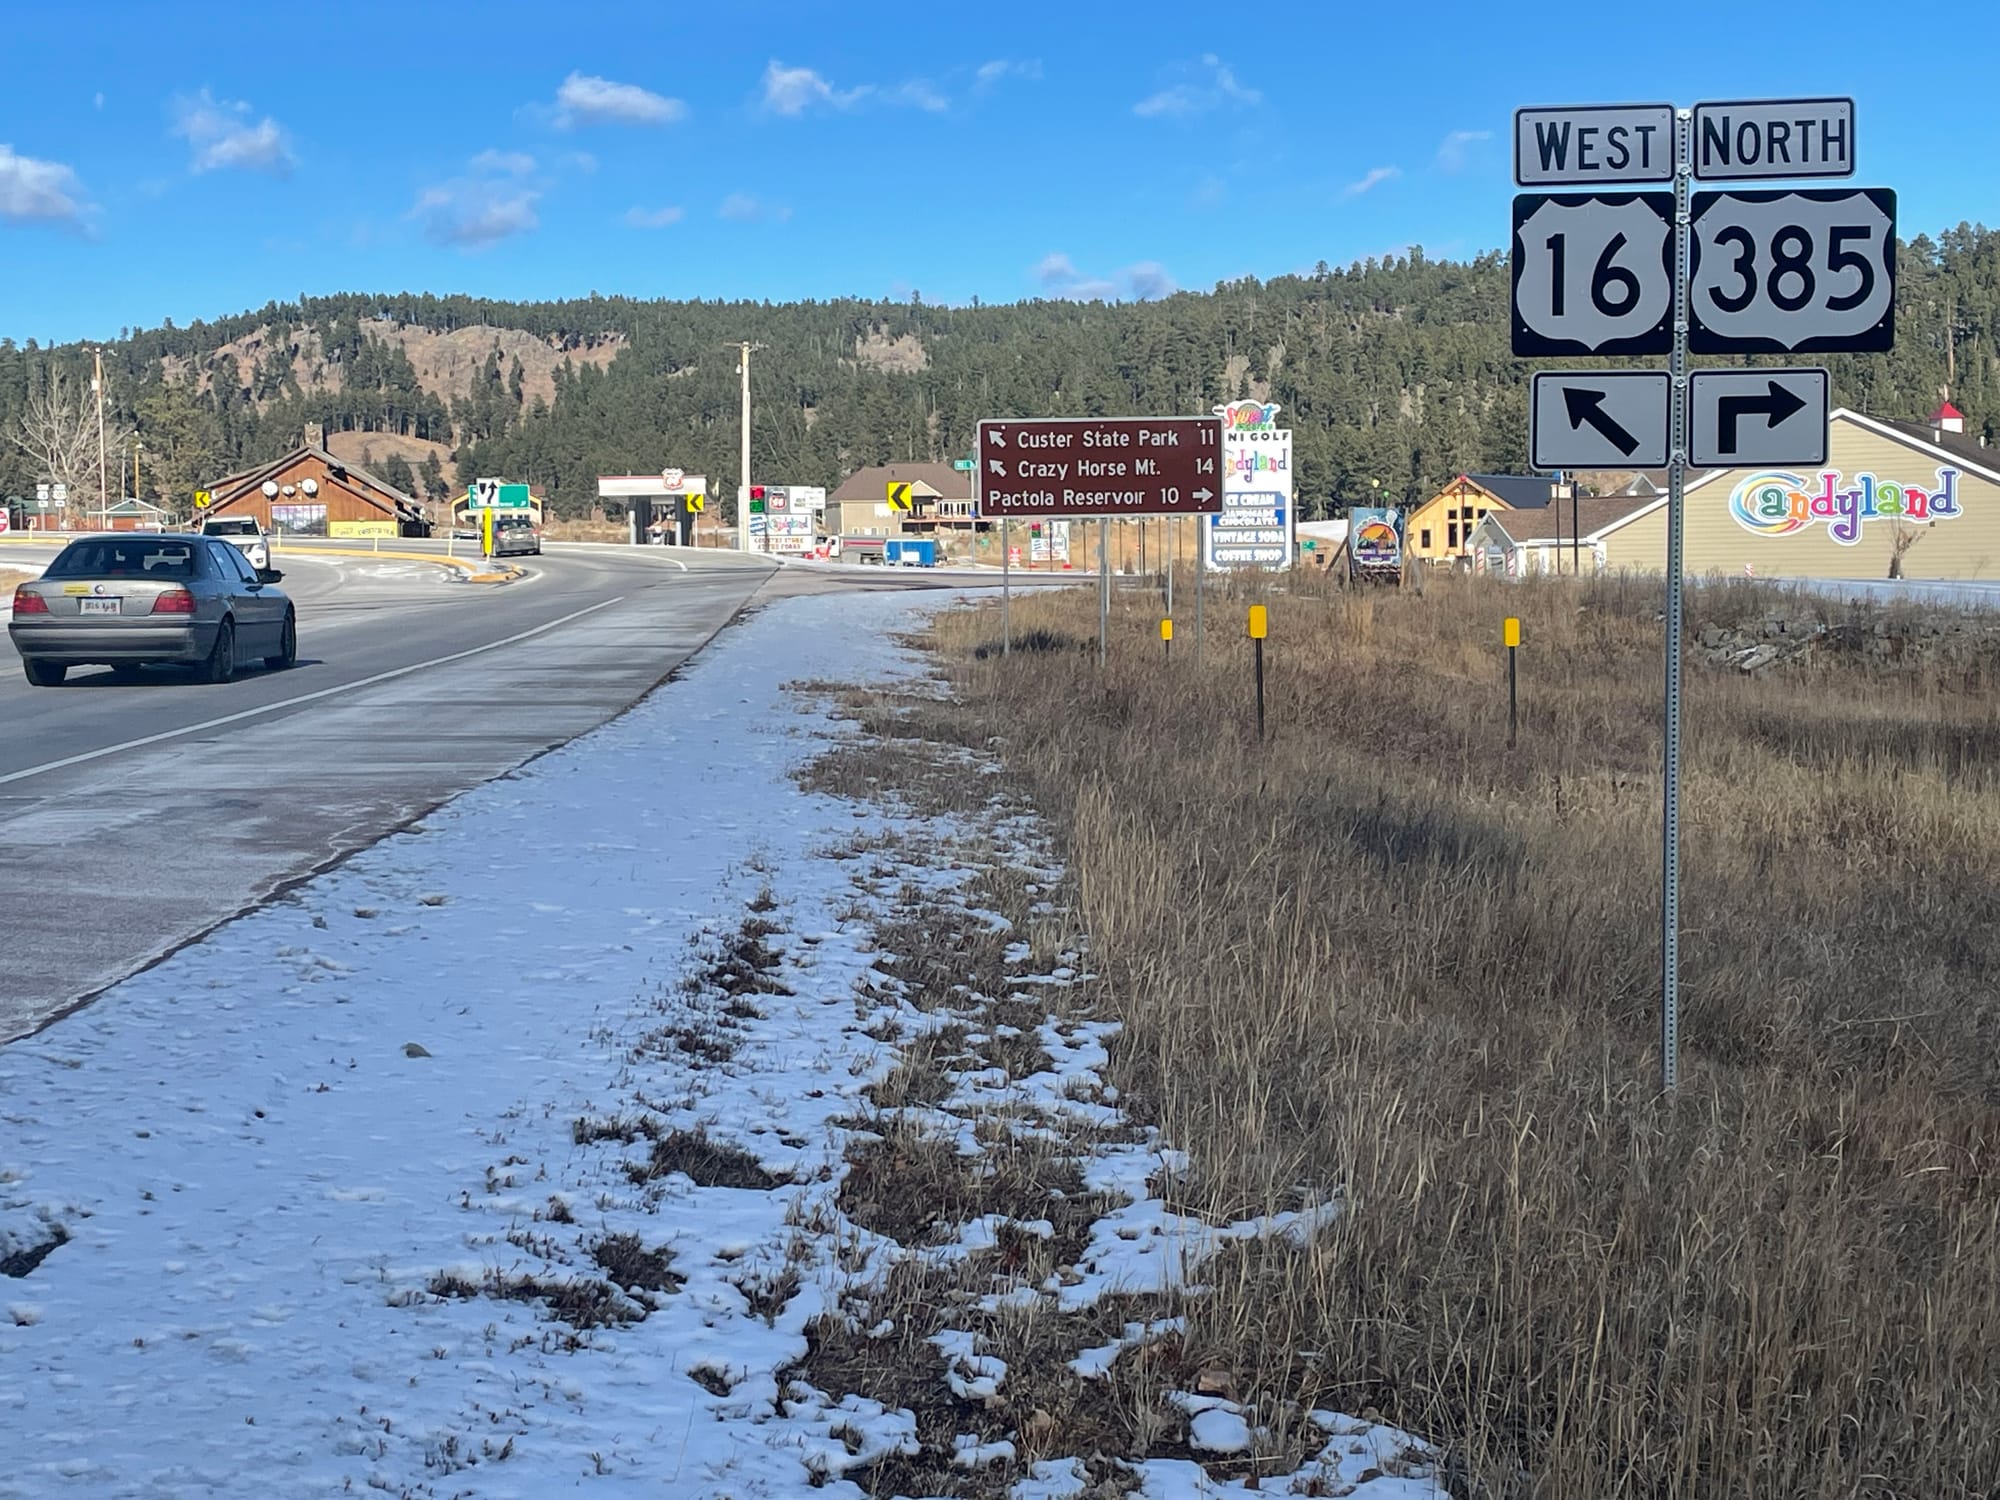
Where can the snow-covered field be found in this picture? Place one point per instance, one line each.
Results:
(507, 1159)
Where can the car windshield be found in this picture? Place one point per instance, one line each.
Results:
(242, 527)
(121, 558)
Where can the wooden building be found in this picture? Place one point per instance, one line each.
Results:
(309, 492)
(1440, 529)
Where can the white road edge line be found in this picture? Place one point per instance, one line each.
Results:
(272, 708)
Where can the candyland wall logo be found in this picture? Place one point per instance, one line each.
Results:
(1247, 416)
(1774, 503)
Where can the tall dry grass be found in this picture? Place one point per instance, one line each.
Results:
(1383, 958)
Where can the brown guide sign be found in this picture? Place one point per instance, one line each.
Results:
(1100, 466)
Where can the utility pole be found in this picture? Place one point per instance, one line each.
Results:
(743, 489)
(103, 472)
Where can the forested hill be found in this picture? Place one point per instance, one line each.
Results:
(1392, 371)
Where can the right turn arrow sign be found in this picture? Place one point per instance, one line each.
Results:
(1743, 417)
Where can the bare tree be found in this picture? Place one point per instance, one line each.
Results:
(1902, 538)
(57, 428)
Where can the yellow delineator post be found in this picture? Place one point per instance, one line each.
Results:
(1167, 636)
(486, 532)
(1511, 634)
(1260, 626)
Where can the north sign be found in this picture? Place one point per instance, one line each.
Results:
(1789, 272)
(1599, 419)
(1100, 466)
(1739, 418)
(1747, 139)
(1593, 274)
(1590, 144)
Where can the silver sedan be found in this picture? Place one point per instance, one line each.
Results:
(125, 599)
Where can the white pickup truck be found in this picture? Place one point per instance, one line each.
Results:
(244, 532)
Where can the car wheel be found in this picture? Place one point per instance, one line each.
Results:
(288, 646)
(221, 663)
(44, 673)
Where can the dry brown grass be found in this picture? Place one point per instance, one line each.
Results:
(11, 578)
(1381, 957)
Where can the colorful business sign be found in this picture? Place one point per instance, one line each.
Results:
(1375, 541)
(1776, 503)
(358, 529)
(1257, 523)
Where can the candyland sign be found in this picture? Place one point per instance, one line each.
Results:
(1775, 503)
(1255, 526)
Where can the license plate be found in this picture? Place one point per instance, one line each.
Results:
(99, 606)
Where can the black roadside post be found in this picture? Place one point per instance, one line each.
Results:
(1512, 635)
(1259, 627)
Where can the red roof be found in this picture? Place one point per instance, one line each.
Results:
(1947, 410)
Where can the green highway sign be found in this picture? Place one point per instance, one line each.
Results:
(964, 465)
(491, 494)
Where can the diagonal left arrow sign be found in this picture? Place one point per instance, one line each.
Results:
(1599, 419)
(1588, 406)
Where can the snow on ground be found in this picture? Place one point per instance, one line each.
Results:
(503, 1159)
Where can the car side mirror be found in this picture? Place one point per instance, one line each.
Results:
(270, 575)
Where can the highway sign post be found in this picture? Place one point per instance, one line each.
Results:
(1725, 272)
(1793, 272)
(1593, 274)
(1100, 466)
(1757, 417)
(1585, 143)
(1599, 419)
(1748, 139)
(494, 494)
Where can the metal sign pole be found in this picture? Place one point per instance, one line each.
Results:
(1200, 574)
(1670, 820)
(1006, 589)
(1105, 591)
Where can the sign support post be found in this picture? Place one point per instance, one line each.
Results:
(1200, 574)
(1006, 589)
(1619, 273)
(1670, 811)
(1103, 593)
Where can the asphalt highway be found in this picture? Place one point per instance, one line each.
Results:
(136, 817)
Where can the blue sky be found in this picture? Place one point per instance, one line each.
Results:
(193, 160)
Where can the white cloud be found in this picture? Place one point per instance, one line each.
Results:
(508, 163)
(1374, 178)
(990, 74)
(919, 95)
(1202, 86)
(654, 218)
(743, 208)
(494, 203)
(587, 100)
(793, 91)
(1454, 149)
(223, 137)
(33, 191)
(1139, 283)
